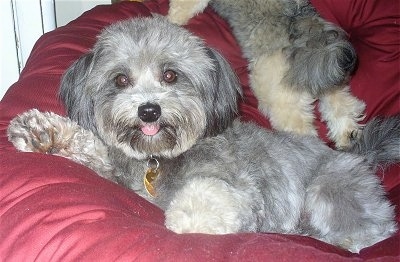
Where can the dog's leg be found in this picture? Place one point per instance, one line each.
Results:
(288, 109)
(49, 133)
(346, 206)
(342, 112)
(210, 205)
(320, 57)
(180, 11)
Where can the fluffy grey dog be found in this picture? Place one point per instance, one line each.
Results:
(154, 109)
(295, 57)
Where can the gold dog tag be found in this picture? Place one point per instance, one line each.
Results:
(149, 177)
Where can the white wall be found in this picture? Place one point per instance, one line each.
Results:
(23, 22)
(9, 69)
(68, 10)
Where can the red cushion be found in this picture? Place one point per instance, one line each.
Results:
(54, 209)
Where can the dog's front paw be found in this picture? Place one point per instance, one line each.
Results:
(34, 131)
(342, 112)
(208, 205)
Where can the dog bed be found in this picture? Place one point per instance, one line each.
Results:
(52, 209)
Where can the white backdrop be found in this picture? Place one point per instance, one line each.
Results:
(23, 22)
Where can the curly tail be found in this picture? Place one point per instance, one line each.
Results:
(379, 141)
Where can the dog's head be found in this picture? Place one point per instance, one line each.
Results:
(149, 87)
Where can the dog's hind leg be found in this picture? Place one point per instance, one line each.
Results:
(49, 133)
(342, 113)
(287, 108)
(320, 56)
(346, 205)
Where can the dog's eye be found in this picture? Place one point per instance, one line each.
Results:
(122, 80)
(170, 76)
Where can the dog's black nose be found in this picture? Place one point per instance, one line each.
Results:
(149, 112)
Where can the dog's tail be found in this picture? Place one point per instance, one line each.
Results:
(379, 141)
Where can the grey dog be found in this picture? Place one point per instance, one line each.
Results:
(152, 108)
(295, 58)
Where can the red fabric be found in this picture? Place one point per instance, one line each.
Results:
(54, 209)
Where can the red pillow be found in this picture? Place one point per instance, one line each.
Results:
(54, 209)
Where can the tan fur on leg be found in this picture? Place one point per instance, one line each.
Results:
(287, 109)
(180, 11)
(342, 112)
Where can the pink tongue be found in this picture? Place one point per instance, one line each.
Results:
(150, 129)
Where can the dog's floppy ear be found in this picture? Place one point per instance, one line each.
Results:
(74, 94)
(223, 98)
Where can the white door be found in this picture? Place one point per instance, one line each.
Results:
(22, 23)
